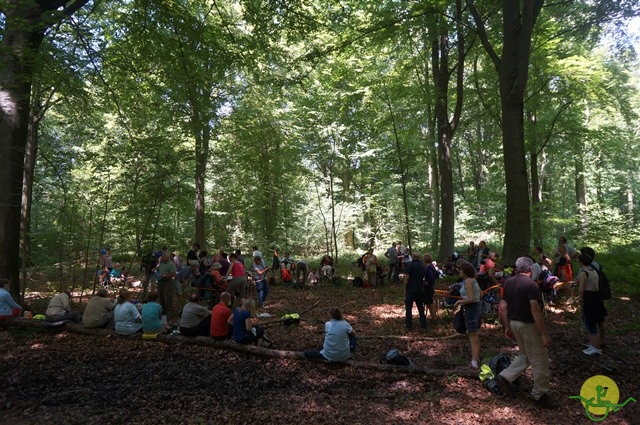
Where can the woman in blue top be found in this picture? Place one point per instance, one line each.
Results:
(8, 307)
(470, 301)
(152, 316)
(126, 315)
(243, 330)
(339, 339)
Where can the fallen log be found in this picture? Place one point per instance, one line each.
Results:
(410, 338)
(251, 349)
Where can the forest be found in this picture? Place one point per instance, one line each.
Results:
(314, 127)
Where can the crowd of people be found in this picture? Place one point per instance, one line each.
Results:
(234, 315)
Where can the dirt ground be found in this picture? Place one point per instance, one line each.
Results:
(65, 378)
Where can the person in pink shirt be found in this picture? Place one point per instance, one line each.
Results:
(486, 275)
(238, 276)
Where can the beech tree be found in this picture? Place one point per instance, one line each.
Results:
(25, 25)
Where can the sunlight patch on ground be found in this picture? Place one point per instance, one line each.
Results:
(625, 298)
(387, 311)
(406, 386)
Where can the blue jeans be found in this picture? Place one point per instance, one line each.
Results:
(418, 298)
(263, 291)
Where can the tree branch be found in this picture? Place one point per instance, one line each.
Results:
(482, 33)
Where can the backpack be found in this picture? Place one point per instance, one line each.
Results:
(545, 273)
(496, 365)
(286, 275)
(394, 357)
(499, 363)
(604, 287)
(290, 319)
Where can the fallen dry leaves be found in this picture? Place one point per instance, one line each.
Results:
(63, 378)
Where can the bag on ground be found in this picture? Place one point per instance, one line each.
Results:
(459, 324)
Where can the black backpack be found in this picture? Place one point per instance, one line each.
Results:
(603, 283)
(395, 358)
(497, 364)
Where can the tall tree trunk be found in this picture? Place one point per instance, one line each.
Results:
(434, 178)
(25, 23)
(27, 184)
(535, 197)
(445, 127)
(202, 153)
(581, 196)
(518, 20)
(403, 172)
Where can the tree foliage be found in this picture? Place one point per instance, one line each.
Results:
(324, 128)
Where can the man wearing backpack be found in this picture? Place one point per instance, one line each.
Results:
(522, 318)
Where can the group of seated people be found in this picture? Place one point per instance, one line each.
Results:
(220, 322)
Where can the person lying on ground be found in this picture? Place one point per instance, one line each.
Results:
(99, 312)
(339, 339)
(195, 319)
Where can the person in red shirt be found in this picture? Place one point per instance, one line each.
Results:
(237, 276)
(219, 315)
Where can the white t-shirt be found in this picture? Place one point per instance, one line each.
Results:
(336, 340)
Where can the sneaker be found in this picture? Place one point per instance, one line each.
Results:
(545, 402)
(591, 350)
(504, 385)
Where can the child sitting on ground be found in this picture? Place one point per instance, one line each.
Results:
(313, 276)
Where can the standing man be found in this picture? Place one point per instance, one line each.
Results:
(301, 274)
(471, 252)
(481, 254)
(193, 252)
(522, 318)
(392, 255)
(573, 253)
(414, 291)
(430, 277)
(166, 273)
(371, 267)
(239, 256)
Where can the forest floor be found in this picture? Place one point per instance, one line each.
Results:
(65, 378)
